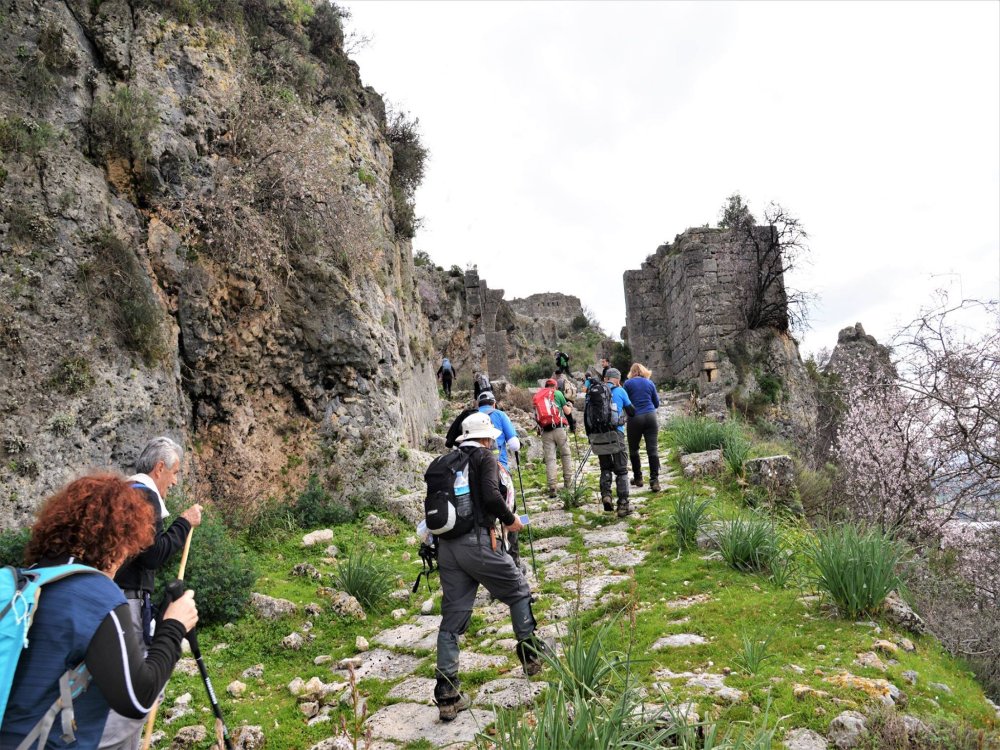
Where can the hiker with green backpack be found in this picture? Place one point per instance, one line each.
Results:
(77, 633)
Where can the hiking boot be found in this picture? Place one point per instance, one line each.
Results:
(624, 509)
(448, 711)
(606, 502)
(529, 652)
(654, 485)
(552, 492)
(636, 482)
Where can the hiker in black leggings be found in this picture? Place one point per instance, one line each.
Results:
(643, 426)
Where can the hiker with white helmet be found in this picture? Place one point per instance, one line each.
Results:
(477, 557)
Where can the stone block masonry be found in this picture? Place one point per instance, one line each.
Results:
(686, 304)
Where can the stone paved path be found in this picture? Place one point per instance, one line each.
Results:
(402, 650)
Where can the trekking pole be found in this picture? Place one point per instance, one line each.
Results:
(524, 504)
(147, 740)
(583, 463)
(220, 723)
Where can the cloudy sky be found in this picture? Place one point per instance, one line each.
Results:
(569, 139)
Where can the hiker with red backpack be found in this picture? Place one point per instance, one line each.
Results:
(551, 409)
(608, 406)
(79, 631)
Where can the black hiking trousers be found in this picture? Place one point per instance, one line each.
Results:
(644, 427)
(446, 384)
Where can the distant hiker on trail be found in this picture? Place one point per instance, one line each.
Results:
(480, 383)
(605, 366)
(562, 362)
(158, 467)
(604, 419)
(446, 373)
(82, 620)
(550, 416)
(642, 393)
(566, 386)
(475, 557)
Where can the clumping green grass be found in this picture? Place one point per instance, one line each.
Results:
(688, 516)
(697, 434)
(365, 578)
(752, 653)
(856, 568)
(749, 542)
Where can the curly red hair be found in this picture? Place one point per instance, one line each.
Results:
(95, 519)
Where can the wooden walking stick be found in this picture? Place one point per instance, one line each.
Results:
(151, 719)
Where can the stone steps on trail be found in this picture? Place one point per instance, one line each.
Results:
(399, 652)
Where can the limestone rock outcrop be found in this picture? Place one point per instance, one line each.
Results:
(199, 238)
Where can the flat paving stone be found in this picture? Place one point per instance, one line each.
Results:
(409, 722)
(552, 556)
(551, 543)
(620, 557)
(421, 634)
(570, 569)
(608, 536)
(382, 664)
(508, 693)
(591, 587)
(469, 661)
(415, 689)
(677, 641)
(682, 602)
(551, 519)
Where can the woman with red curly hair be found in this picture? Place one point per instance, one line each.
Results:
(100, 521)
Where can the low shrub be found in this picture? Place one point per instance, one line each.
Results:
(316, 507)
(123, 121)
(12, 544)
(749, 542)
(528, 374)
(856, 568)
(518, 398)
(19, 136)
(366, 579)
(73, 375)
(219, 570)
(817, 493)
(689, 514)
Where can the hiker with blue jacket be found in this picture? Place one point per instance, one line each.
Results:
(507, 441)
(608, 406)
(157, 467)
(643, 426)
(477, 557)
(81, 628)
(446, 373)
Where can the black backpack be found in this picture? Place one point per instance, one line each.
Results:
(599, 415)
(448, 510)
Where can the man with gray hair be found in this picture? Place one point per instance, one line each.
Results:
(157, 468)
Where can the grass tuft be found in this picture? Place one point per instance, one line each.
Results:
(365, 578)
(749, 543)
(856, 568)
(689, 514)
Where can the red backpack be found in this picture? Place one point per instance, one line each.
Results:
(547, 413)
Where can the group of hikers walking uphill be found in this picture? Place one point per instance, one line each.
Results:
(471, 523)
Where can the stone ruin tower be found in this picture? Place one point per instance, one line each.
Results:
(487, 334)
(686, 307)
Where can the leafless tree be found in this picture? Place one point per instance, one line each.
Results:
(776, 247)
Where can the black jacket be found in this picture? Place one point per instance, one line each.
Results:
(484, 485)
(139, 572)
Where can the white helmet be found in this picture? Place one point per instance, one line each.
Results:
(477, 426)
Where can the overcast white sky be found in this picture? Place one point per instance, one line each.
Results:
(585, 134)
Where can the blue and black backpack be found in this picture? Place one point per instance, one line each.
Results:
(20, 589)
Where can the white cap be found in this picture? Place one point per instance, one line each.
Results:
(477, 426)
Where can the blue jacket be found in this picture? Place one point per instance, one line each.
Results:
(502, 422)
(620, 397)
(643, 395)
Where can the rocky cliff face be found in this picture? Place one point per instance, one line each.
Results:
(200, 237)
